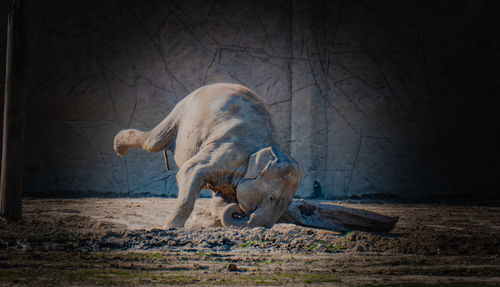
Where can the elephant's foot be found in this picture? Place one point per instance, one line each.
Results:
(175, 221)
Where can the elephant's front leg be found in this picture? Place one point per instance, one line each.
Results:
(191, 178)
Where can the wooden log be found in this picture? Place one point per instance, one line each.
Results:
(14, 115)
(336, 217)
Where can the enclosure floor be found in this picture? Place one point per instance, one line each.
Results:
(95, 241)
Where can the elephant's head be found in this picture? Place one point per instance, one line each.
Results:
(265, 191)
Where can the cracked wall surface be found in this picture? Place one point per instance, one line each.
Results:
(372, 97)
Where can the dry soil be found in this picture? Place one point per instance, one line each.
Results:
(120, 241)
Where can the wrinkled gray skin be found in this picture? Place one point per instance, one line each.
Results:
(223, 139)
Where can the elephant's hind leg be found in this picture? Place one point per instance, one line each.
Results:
(192, 176)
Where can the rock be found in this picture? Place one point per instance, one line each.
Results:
(232, 268)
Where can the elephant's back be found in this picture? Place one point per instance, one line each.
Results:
(232, 100)
(221, 113)
(229, 105)
(219, 97)
(217, 103)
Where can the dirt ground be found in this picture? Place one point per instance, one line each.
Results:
(96, 241)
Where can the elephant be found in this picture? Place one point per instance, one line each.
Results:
(223, 139)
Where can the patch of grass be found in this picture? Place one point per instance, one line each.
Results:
(211, 254)
(109, 269)
(99, 255)
(314, 246)
(252, 243)
(152, 255)
(336, 247)
(259, 263)
(49, 276)
(349, 243)
(133, 256)
(452, 284)
(107, 277)
(349, 236)
(297, 277)
(312, 277)
(320, 278)
(263, 280)
(318, 243)
(248, 243)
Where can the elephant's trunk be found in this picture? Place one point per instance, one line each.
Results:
(232, 215)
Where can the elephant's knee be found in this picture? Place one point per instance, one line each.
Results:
(193, 173)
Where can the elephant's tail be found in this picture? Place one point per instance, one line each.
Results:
(154, 140)
(162, 135)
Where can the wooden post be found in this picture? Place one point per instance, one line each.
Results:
(14, 117)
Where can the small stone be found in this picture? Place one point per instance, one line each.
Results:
(232, 268)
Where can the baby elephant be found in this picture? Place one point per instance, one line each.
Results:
(223, 139)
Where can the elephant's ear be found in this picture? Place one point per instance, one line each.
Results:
(259, 162)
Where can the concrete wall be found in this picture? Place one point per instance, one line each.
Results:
(372, 97)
